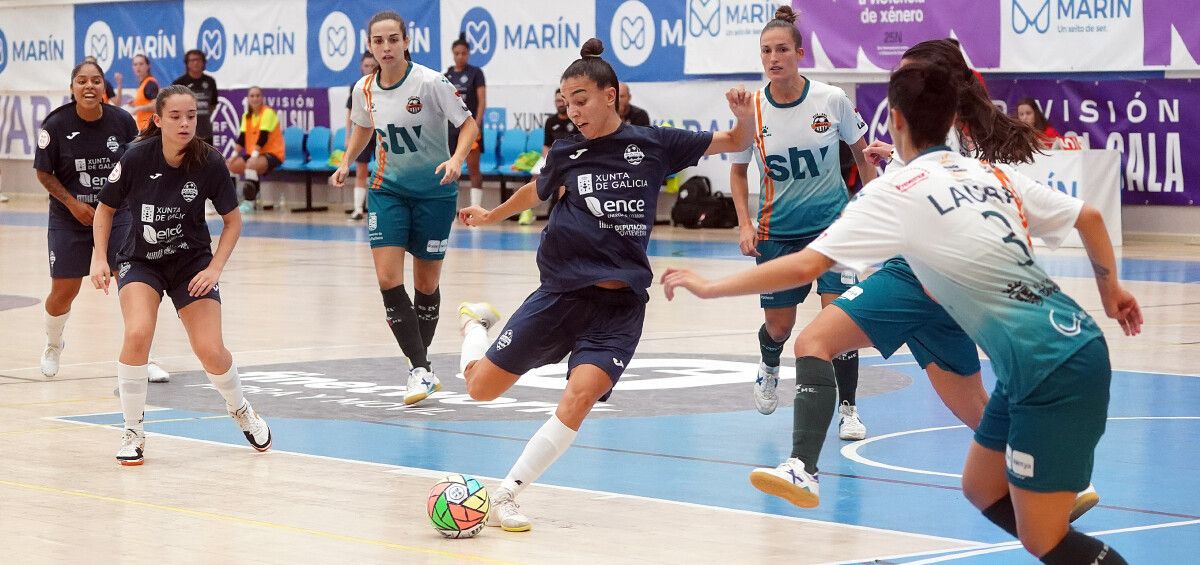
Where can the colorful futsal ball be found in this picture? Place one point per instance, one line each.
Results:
(458, 506)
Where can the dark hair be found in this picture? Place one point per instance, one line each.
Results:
(590, 65)
(149, 67)
(462, 40)
(197, 151)
(994, 135)
(367, 55)
(191, 52)
(1039, 117)
(79, 68)
(785, 18)
(927, 98)
(385, 16)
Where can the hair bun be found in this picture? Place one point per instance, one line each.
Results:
(786, 14)
(591, 48)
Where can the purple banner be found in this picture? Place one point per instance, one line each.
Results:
(884, 29)
(304, 108)
(1160, 16)
(1144, 120)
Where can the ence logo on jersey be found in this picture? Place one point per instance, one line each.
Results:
(414, 105)
(821, 123)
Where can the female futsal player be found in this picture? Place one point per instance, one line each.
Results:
(166, 177)
(414, 192)
(592, 260)
(472, 87)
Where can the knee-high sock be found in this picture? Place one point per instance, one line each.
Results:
(402, 318)
(54, 328)
(546, 446)
(230, 387)
(816, 399)
(132, 382)
(770, 349)
(476, 196)
(475, 344)
(1078, 547)
(845, 368)
(427, 307)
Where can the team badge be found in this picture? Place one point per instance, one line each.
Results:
(633, 154)
(43, 139)
(115, 175)
(414, 105)
(821, 123)
(504, 340)
(189, 191)
(112, 144)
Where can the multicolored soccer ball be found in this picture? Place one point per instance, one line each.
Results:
(458, 506)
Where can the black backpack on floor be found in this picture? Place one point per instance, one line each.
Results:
(698, 207)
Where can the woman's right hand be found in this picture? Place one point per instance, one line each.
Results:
(748, 241)
(83, 213)
(338, 178)
(100, 273)
(475, 216)
(878, 152)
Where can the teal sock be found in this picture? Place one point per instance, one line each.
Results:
(812, 412)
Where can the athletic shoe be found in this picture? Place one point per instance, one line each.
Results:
(526, 218)
(482, 312)
(851, 428)
(157, 373)
(790, 482)
(3, 198)
(356, 217)
(50, 359)
(132, 446)
(1085, 501)
(504, 513)
(246, 207)
(765, 398)
(253, 426)
(421, 384)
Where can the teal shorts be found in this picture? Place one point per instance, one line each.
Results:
(828, 283)
(1049, 437)
(420, 226)
(892, 308)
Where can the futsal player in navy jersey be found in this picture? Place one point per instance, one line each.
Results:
(79, 144)
(164, 179)
(592, 259)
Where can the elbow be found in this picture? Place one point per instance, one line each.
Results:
(1089, 216)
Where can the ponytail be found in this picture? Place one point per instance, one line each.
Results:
(196, 153)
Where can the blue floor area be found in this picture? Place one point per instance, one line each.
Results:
(1147, 470)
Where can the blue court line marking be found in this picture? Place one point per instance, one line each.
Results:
(524, 239)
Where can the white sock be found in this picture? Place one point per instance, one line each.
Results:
(543, 449)
(475, 344)
(360, 198)
(54, 328)
(250, 174)
(476, 196)
(230, 387)
(132, 382)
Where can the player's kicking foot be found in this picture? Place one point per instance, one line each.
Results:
(790, 482)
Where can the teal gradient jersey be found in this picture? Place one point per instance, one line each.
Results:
(409, 119)
(965, 227)
(796, 148)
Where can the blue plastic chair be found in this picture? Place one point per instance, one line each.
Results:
(293, 150)
(512, 145)
(318, 149)
(339, 139)
(488, 160)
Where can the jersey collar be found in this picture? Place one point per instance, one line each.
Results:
(803, 95)
(379, 78)
(933, 149)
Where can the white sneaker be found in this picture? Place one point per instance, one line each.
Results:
(504, 513)
(157, 373)
(50, 359)
(851, 428)
(132, 446)
(253, 426)
(765, 398)
(482, 312)
(421, 384)
(790, 482)
(1084, 501)
(3, 198)
(356, 216)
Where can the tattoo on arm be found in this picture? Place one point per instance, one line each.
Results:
(1100, 270)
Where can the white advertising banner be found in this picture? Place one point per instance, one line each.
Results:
(251, 43)
(1090, 175)
(33, 55)
(1071, 35)
(722, 35)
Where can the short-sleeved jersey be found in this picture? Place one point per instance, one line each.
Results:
(965, 227)
(409, 119)
(557, 128)
(167, 203)
(467, 83)
(205, 89)
(599, 231)
(797, 151)
(80, 154)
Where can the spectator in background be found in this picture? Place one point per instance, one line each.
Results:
(205, 89)
(630, 114)
(142, 105)
(558, 126)
(1028, 112)
(259, 145)
(369, 66)
(468, 81)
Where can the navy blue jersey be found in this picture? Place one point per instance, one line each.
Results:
(601, 228)
(81, 154)
(467, 83)
(167, 202)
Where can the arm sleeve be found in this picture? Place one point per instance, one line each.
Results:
(262, 138)
(1050, 213)
(222, 193)
(46, 156)
(550, 178)
(241, 138)
(116, 190)
(684, 147)
(547, 139)
(479, 79)
(851, 126)
(451, 104)
(359, 114)
(869, 231)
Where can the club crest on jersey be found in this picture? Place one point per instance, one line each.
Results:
(633, 154)
(189, 191)
(43, 139)
(414, 105)
(821, 123)
(504, 340)
(115, 174)
(112, 144)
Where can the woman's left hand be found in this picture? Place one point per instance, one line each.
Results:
(452, 170)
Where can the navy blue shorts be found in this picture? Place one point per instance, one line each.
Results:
(596, 326)
(71, 251)
(273, 162)
(365, 156)
(170, 276)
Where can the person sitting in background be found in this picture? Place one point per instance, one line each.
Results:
(558, 126)
(630, 114)
(1030, 113)
(259, 145)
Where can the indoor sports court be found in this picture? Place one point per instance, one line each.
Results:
(659, 472)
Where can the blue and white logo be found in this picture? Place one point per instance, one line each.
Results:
(3, 51)
(336, 41)
(704, 17)
(211, 40)
(480, 28)
(1026, 15)
(100, 43)
(632, 33)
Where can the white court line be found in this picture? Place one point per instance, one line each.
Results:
(192, 356)
(893, 364)
(400, 469)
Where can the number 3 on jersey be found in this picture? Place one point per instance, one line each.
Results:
(398, 140)
(782, 168)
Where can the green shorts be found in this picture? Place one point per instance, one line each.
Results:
(420, 226)
(828, 283)
(1049, 438)
(892, 308)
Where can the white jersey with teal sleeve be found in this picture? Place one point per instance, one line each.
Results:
(409, 120)
(802, 190)
(965, 227)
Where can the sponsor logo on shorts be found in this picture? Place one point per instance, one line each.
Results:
(618, 363)
(437, 246)
(189, 191)
(112, 144)
(1019, 463)
(115, 175)
(583, 184)
(852, 293)
(849, 278)
(633, 154)
(504, 339)
(124, 270)
(43, 139)
(80, 165)
(414, 105)
(372, 221)
(821, 123)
